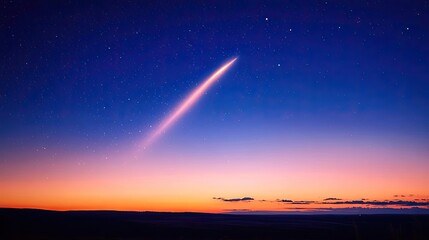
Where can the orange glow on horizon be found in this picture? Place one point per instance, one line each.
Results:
(157, 184)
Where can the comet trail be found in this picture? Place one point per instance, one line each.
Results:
(186, 104)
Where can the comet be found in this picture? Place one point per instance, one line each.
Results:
(186, 104)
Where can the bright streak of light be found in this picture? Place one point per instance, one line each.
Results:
(186, 104)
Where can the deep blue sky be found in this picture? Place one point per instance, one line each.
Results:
(101, 71)
(327, 100)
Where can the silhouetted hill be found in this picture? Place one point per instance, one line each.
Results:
(41, 224)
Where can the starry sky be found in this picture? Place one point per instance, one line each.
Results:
(325, 108)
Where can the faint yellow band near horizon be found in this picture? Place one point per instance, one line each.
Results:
(185, 105)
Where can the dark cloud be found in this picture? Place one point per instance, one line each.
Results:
(332, 199)
(383, 203)
(244, 199)
(303, 202)
(338, 201)
(293, 202)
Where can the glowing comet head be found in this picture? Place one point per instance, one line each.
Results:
(185, 105)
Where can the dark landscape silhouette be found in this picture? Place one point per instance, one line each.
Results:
(42, 224)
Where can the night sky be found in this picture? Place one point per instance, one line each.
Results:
(327, 105)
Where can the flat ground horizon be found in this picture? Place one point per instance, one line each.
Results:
(42, 224)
